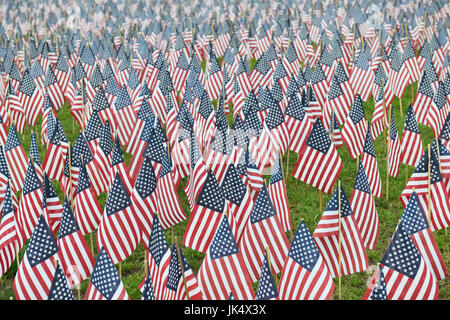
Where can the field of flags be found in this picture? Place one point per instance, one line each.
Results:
(283, 150)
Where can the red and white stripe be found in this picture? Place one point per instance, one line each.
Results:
(366, 217)
(87, 210)
(298, 283)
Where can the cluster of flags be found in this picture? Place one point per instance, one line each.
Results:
(290, 77)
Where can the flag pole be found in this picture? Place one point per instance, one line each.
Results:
(182, 268)
(387, 156)
(440, 167)
(429, 184)
(339, 238)
(275, 278)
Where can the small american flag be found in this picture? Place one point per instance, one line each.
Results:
(205, 216)
(87, 209)
(267, 289)
(363, 205)
(105, 283)
(60, 288)
(423, 99)
(411, 144)
(355, 129)
(406, 274)
(305, 275)
(352, 255)
(415, 223)
(321, 173)
(30, 205)
(144, 199)
(438, 110)
(223, 270)
(263, 226)
(35, 276)
(16, 159)
(75, 257)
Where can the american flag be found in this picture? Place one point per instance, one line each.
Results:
(423, 99)
(51, 205)
(305, 275)
(243, 78)
(399, 76)
(254, 175)
(35, 276)
(30, 205)
(320, 86)
(411, 144)
(169, 206)
(118, 165)
(197, 172)
(410, 61)
(181, 283)
(329, 232)
(278, 195)
(16, 159)
(379, 116)
(361, 77)
(105, 282)
(319, 163)
(60, 288)
(144, 199)
(223, 270)
(298, 123)
(158, 257)
(102, 157)
(394, 148)
(205, 216)
(87, 209)
(31, 98)
(9, 228)
(415, 224)
(118, 230)
(355, 129)
(53, 89)
(267, 289)
(75, 257)
(406, 274)
(124, 116)
(443, 155)
(264, 225)
(438, 110)
(363, 206)
(369, 161)
(438, 211)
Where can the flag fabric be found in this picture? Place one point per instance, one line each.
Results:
(181, 283)
(105, 282)
(267, 289)
(437, 207)
(278, 195)
(298, 123)
(363, 206)
(144, 200)
(51, 205)
(158, 257)
(370, 164)
(169, 206)
(30, 205)
(411, 144)
(263, 228)
(352, 255)
(394, 148)
(36, 271)
(355, 128)
(118, 230)
(205, 216)
(86, 208)
(415, 224)
(405, 272)
(60, 288)
(305, 276)
(75, 257)
(423, 99)
(16, 159)
(223, 270)
(319, 163)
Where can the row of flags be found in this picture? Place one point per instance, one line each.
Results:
(166, 96)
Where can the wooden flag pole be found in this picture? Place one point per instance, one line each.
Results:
(387, 156)
(320, 201)
(182, 268)
(429, 184)
(339, 239)
(440, 167)
(275, 278)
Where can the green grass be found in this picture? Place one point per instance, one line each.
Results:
(303, 203)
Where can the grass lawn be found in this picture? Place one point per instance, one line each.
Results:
(303, 204)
